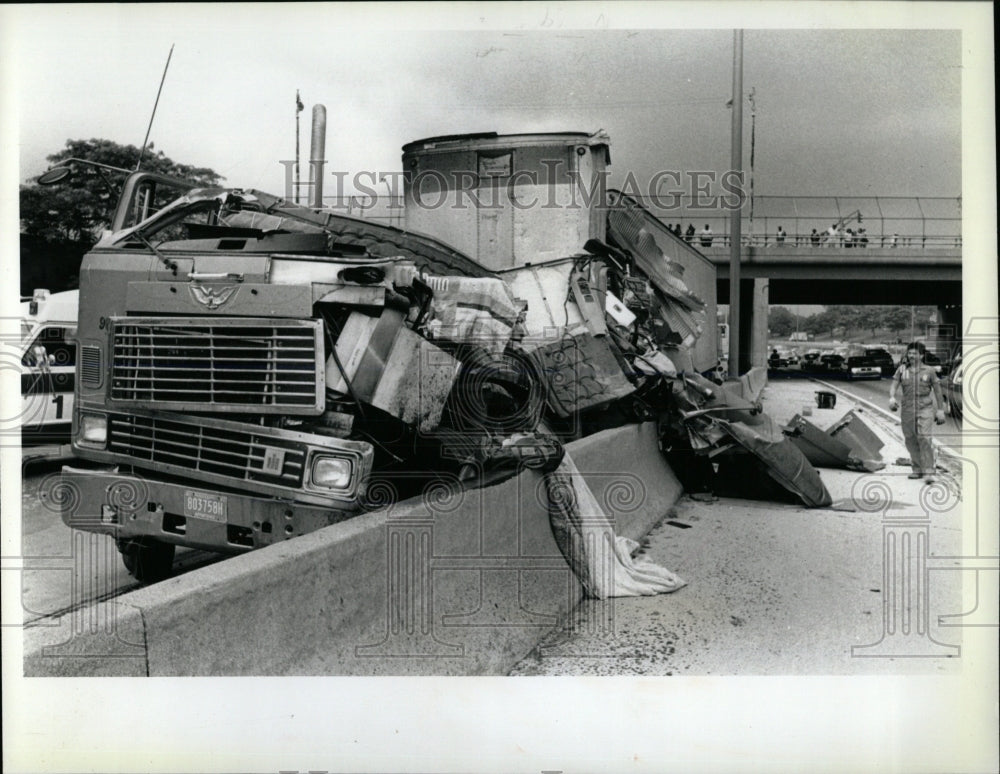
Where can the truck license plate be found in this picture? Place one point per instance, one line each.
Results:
(204, 505)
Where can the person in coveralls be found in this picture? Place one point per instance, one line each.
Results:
(922, 405)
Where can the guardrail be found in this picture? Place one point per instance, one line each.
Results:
(902, 241)
(908, 222)
(905, 222)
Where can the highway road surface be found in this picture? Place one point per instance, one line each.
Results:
(53, 580)
(877, 392)
(51, 585)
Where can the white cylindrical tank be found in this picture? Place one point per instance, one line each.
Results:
(508, 200)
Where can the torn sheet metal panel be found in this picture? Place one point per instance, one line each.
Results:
(784, 463)
(546, 290)
(654, 363)
(679, 258)
(820, 448)
(627, 228)
(750, 385)
(753, 383)
(703, 397)
(268, 212)
(581, 372)
(686, 324)
(350, 295)
(705, 436)
(857, 436)
(393, 369)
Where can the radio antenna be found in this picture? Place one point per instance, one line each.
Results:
(142, 151)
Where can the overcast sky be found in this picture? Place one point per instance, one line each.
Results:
(845, 112)
(873, 111)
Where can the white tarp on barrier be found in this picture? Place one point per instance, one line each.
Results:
(602, 561)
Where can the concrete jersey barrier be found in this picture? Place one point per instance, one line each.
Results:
(454, 583)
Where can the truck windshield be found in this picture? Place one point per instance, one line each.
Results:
(218, 207)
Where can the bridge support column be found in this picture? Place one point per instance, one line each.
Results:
(753, 324)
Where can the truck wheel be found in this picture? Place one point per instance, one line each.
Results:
(147, 560)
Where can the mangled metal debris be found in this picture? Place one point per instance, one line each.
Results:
(849, 443)
(731, 446)
(254, 366)
(863, 443)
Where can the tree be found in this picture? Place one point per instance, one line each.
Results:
(871, 318)
(897, 318)
(59, 223)
(817, 323)
(80, 207)
(780, 321)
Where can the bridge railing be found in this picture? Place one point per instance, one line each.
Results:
(884, 221)
(798, 241)
(911, 222)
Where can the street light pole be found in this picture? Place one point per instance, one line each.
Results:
(735, 226)
(298, 109)
(753, 145)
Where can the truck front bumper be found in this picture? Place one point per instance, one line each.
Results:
(127, 505)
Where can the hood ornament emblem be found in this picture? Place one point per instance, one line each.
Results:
(211, 298)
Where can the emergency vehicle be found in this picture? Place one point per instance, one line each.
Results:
(48, 365)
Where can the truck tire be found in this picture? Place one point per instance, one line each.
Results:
(147, 560)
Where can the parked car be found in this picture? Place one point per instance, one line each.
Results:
(810, 360)
(953, 389)
(832, 361)
(862, 367)
(881, 358)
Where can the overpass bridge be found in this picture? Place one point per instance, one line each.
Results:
(835, 249)
(828, 250)
(795, 274)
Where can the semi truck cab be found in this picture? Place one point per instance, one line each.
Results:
(208, 355)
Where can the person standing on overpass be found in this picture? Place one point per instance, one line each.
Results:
(922, 406)
(706, 236)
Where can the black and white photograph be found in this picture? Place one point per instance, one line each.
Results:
(543, 387)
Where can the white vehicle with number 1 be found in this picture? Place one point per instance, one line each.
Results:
(48, 365)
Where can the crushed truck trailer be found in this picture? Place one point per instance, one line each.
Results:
(250, 370)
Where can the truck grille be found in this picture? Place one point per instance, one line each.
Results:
(237, 453)
(233, 364)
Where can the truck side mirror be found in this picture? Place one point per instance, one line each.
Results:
(54, 175)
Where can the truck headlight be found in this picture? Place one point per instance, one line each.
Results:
(331, 472)
(94, 429)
